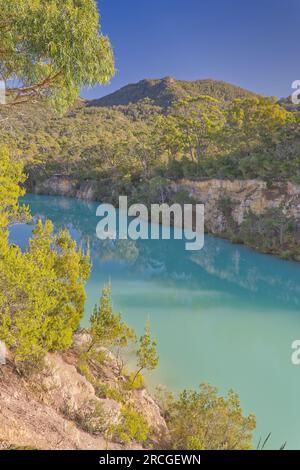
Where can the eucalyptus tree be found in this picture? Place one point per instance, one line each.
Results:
(199, 119)
(255, 122)
(50, 49)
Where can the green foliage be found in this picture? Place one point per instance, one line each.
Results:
(127, 147)
(52, 48)
(134, 382)
(42, 289)
(272, 231)
(107, 328)
(104, 390)
(84, 369)
(147, 358)
(133, 427)
(198, 119)
(256, 120)
(203, 420)
(104, 323)
(11, 177)
(146, 354)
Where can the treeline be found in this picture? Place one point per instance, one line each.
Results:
(197, 138)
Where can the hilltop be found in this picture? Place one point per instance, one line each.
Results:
(163, 92)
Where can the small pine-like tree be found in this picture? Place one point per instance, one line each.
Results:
(147, 357)
(107, 328)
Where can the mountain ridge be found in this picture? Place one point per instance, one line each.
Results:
(162, 92)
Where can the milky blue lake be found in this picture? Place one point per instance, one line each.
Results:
(225, 315)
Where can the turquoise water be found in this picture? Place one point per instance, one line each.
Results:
(224, 315)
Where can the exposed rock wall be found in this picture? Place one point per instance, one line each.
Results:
(66, 186)
(246, 195)
(44, 410)
(29, 419)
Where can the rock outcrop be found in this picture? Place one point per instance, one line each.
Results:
(281, 200)
(246, 195)
(60, 185)
(29, 421)
(51, 408)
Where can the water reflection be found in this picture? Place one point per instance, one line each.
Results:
(220, 266)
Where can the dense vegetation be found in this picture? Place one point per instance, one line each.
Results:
(196, 136)
(202, 420)
(42, 289)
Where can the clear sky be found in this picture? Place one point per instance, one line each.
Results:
(251, 43)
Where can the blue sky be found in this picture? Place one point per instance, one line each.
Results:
(254, 44)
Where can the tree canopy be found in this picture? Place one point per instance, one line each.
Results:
(51, 49)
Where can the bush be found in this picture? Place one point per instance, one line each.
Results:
(134, 382)
(133, 427)
(104, 390)
(92, 419)
(205, 421)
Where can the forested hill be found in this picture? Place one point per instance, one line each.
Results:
(163, 92)
(165, 128)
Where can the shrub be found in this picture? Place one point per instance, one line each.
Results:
(104, 390)
(42, 289)
(93, 418)
(134, 382)
(133, 427)
(203, 420)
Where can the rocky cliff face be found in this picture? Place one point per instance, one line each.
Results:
(55, 407)
(246, 196)
(65, 186)
(29, 416)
